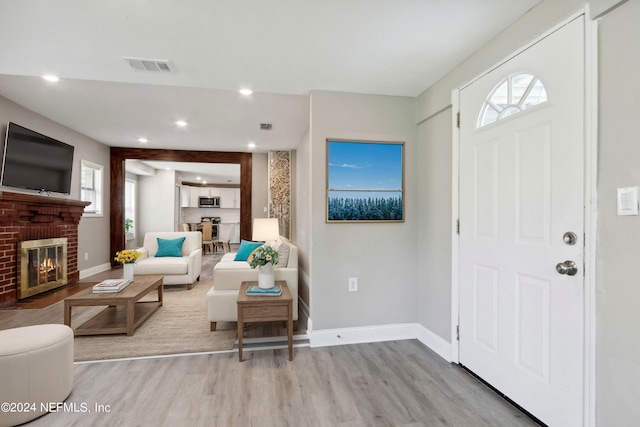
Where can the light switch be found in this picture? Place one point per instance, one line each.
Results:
(628, 201)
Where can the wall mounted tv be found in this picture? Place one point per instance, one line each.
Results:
(35, 161)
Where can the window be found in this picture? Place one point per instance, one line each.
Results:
(91, 187)
(512, 95)
(129, 207)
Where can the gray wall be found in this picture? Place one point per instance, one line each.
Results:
(618, 240)
(91, 231)
(381, 255)
(434, 224)
(301, 231)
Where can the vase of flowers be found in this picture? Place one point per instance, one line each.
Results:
(127, 258)
(265, 257)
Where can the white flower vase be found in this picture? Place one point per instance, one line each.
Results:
(265, 276)
(128, 271)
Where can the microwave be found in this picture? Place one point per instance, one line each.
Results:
(209, 202)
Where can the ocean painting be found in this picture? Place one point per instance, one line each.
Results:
(365, 181)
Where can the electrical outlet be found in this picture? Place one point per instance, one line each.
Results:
(86, 256)
(353, 284)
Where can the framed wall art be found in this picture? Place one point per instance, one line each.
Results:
(365, 181)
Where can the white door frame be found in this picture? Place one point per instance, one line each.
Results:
(590, 208)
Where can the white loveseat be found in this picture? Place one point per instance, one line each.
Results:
(184, 270)
(228, 275)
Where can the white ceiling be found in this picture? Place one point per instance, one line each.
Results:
(198, 173)
(282, 49)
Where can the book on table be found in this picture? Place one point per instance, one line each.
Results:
(111, 285)
(257, 290)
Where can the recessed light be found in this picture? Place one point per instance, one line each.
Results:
(51, 78)
(143, 140)
(204, 182)
(246, 92)
(198, 178)
(181, 123)
(251, 145)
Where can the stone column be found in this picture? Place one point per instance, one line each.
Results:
(280, 189)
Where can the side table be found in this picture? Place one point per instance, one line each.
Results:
(260, 308)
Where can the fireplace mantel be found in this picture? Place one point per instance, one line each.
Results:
(42, 200)
(30, 217)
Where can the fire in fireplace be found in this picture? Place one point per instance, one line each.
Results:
(43, 266)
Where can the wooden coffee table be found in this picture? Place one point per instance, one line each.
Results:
(115, 320)
(252, 308)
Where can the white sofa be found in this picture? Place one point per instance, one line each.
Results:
(228, 275)
(184, 270)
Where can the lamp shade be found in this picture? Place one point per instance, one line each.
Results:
(265, 229)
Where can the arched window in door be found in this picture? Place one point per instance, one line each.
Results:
(512, 95)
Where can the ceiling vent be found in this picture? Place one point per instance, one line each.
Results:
(265, 126)
(151, 65)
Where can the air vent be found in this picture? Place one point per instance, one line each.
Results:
(150, 65)
(265, 126)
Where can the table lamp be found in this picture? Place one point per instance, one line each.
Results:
(265, 229)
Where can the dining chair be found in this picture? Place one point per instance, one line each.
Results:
(207, 230)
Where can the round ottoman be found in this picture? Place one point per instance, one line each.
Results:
(36, 366)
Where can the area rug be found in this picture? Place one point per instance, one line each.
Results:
(179, 326)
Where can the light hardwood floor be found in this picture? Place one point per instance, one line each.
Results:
(396, 383)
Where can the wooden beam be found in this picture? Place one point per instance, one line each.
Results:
(120, 154)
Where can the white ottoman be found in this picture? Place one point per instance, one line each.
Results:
(36, 366)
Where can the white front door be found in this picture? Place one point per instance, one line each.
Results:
(521, 195)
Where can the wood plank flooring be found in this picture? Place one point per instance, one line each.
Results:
(395, 383)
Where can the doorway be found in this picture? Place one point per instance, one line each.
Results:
(120, 154)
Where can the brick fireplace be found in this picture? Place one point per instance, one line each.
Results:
(25, 217)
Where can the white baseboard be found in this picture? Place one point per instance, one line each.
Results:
(367, 334)
(95, 270)
(435, 342)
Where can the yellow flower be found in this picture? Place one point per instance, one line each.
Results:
(127, 256)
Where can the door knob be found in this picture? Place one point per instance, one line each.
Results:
(568, 267)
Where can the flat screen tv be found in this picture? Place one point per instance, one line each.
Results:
(35, 161)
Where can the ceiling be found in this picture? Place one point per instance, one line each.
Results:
(281, 49)
(194, 173)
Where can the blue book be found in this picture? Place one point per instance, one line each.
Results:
(257, 290)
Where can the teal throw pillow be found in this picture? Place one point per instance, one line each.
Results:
(169, 247)
(245, 249)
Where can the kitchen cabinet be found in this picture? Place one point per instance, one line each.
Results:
(184, 197)
(236, 233)
(236, 192)
(227, 198)
(193, 197)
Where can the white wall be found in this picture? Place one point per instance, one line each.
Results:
(157, 198)
(259, 185)
(618, 240)
(381, 255)
(90, 230)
